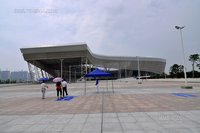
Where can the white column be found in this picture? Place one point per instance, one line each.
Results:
(138, 62)
(61, 67)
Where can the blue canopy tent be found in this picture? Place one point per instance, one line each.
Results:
(43, 79)
(98, 73)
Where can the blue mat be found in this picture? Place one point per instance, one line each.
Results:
(66, 98)
(183, 95)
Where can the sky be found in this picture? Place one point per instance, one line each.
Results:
(109, 27)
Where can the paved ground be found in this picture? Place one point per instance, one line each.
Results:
(129, 107)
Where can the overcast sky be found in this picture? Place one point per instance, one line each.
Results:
(109, 27)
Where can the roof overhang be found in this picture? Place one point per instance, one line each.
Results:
(48, 58)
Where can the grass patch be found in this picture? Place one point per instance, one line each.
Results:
(186, 87)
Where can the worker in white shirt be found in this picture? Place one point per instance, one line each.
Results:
(43, 89)
(64, 87)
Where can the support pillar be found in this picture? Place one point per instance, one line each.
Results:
(139, 82)
(42, 73)
(86, 62)
(30, 71)
(69, 74)
(61, 67)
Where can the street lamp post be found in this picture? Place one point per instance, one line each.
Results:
(183, 52)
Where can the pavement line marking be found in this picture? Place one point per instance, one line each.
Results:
(102, 108)
(116, 113)
(184, 95)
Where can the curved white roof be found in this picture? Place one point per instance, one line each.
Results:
(73, 54)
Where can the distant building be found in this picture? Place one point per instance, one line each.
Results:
(4, 75)
(19, 76)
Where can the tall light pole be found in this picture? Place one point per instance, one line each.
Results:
(183, 52)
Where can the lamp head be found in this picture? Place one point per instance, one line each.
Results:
(178, 27)
(182, 27)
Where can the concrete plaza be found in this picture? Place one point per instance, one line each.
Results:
(157, 106)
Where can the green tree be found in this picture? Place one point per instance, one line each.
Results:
(176, 70)
(7, 81)
(198, 65)
(193, 58)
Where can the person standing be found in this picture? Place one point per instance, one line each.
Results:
(59, 90)
(43, 89)
(64, 87)
(97, 85)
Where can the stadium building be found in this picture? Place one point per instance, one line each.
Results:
(72, 62)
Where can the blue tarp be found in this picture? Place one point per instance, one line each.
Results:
(43, 79)
(66, 98)
(98, 73)
(183, 95)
